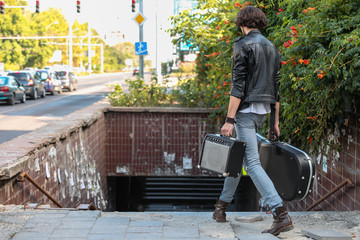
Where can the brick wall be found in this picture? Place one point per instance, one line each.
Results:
(334, 167)
(154, 142)
(66, 158)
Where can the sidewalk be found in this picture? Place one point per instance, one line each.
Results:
(66, 224)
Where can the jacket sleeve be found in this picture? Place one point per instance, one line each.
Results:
(239, 71)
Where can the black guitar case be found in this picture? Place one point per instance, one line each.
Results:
(291, 169)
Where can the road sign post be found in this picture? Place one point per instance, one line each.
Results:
(139, 18)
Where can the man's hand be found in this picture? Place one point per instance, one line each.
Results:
(276, 132)
(226, 129)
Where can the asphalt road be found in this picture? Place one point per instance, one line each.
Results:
(23, 118)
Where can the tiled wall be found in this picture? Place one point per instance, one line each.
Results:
(70, 169)
(157, 143)
(334, 167)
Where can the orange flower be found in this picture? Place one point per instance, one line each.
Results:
(320, 76)
(218, 27)
(313, 118)
(227, 21)
(283, 62)
(297, 129)
(217, 95)
(311, 9)
(304, 11)
(301, 61)
(227, 41)
(219, 87)
(293, 28)
(306, 61)
(294, 63)
(281, 10)
(310, 140)
(237, 4)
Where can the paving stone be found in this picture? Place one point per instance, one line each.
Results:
(147, 223)
(249, 219)
(79, 219)
(70, 233)
(148, 236)
(31, 225)
(209, 238)
(114, 230)
(83, 214)
(180, 232)
(256, 236)
(76, 224)
(106, 237)
(320, 234)
(144, 229)
(111, 221)
(31, 235)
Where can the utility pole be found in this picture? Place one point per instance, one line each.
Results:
(70, 45)
(89, 48)
(141, 38)
(158, 63)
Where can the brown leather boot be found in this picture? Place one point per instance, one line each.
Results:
(282, 222)
(219, 214)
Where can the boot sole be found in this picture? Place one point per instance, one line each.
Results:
(285, 229)
(219, 221)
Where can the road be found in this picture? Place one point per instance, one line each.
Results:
(23, 118)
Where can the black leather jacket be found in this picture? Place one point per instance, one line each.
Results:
(255, 71)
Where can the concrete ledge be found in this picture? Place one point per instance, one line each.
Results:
(16, 153)
(160, 109)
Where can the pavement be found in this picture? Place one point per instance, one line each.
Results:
(69, 224)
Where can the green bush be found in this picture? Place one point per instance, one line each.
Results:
(318, 40)
(140, 94)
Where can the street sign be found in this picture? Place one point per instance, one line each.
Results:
(141, 48)
(139, 18)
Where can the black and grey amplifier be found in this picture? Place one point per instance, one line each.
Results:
(222, 155)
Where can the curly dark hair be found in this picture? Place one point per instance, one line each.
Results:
(251, 17)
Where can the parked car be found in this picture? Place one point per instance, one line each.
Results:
(11, 90)
(135, 71)
(52, 83)
(68, 80)
(33, 87)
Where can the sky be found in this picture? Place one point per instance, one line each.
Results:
(107, 16)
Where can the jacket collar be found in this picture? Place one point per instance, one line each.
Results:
(253, 31)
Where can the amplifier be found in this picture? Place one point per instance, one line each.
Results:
(222, 155)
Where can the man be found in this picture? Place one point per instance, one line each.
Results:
(255, 86)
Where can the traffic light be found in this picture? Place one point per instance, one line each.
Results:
(2, 7)
(78, 6)
(133, 5)
(37, 7)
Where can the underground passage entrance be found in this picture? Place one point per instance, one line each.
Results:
(176, 194)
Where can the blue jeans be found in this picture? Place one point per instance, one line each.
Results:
(246, 127)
